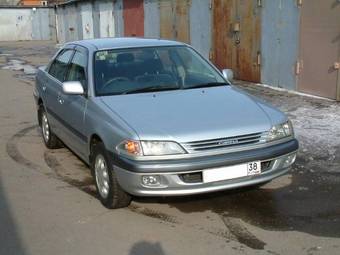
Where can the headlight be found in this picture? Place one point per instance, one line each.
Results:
(150, 148)
(280, 131)
(130, 147)
(155, 148)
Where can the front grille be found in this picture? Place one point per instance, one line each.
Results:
(227, 142)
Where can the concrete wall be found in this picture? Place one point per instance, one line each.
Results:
(19, 24)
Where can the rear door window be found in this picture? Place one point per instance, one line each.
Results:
(59, 66)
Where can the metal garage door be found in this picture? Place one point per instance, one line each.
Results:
(133, 17)
(174, 19)
(87, 20)
(236, 37)
(72, 24)
(106, 20)
(15, 24)
(279, 42)
(320, 48)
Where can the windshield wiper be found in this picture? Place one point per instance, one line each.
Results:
(150, 89)
(209, 84)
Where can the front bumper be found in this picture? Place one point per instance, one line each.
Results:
(129, 172)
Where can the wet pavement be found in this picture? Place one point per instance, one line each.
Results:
(305, 201)
(22, 57)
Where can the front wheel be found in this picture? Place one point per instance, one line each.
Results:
(50, 139)
(110, 193)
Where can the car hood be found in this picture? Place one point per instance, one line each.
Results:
(190, 115)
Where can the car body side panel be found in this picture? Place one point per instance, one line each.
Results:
(101, 121)
(72, 120)
(67, 126)
(59, 118)
(51, 89)
(72, 113)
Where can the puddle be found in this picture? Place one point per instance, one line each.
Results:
(5, 54)
(19, 65)
(15, 62)
(10, 62)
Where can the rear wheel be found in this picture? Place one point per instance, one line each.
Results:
(50, 139)
(109, 191)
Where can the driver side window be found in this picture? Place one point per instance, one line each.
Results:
(77, 69)
(59, 66)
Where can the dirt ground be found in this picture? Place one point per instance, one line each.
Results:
(48, 204)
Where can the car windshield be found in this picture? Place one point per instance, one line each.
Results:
(149, 69)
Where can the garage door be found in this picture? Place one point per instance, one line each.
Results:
(236, 37)
(133, 14)
(174, 19)
(320, 48)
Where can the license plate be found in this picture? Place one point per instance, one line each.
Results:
(232, 172)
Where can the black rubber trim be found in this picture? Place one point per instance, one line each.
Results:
(69, 127)
(182, 165)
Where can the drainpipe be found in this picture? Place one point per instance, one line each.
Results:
(56, 23)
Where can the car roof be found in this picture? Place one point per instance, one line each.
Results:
(124, 42)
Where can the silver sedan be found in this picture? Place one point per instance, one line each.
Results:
(154, 118)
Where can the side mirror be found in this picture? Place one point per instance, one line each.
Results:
(228, 74)
(73, 88)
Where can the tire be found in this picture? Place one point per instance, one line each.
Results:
(110, 193)
(50, 139)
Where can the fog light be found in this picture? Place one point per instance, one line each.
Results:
(151, 180)
(289, 160)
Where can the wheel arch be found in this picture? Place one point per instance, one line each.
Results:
(40, 104)
(40, 101)
(94, 139)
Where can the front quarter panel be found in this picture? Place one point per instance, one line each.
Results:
(106, 124)
(276, 116)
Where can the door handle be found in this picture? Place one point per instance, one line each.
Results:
(336, 65)
(44, 88)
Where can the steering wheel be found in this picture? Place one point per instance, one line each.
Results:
(109, 82)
